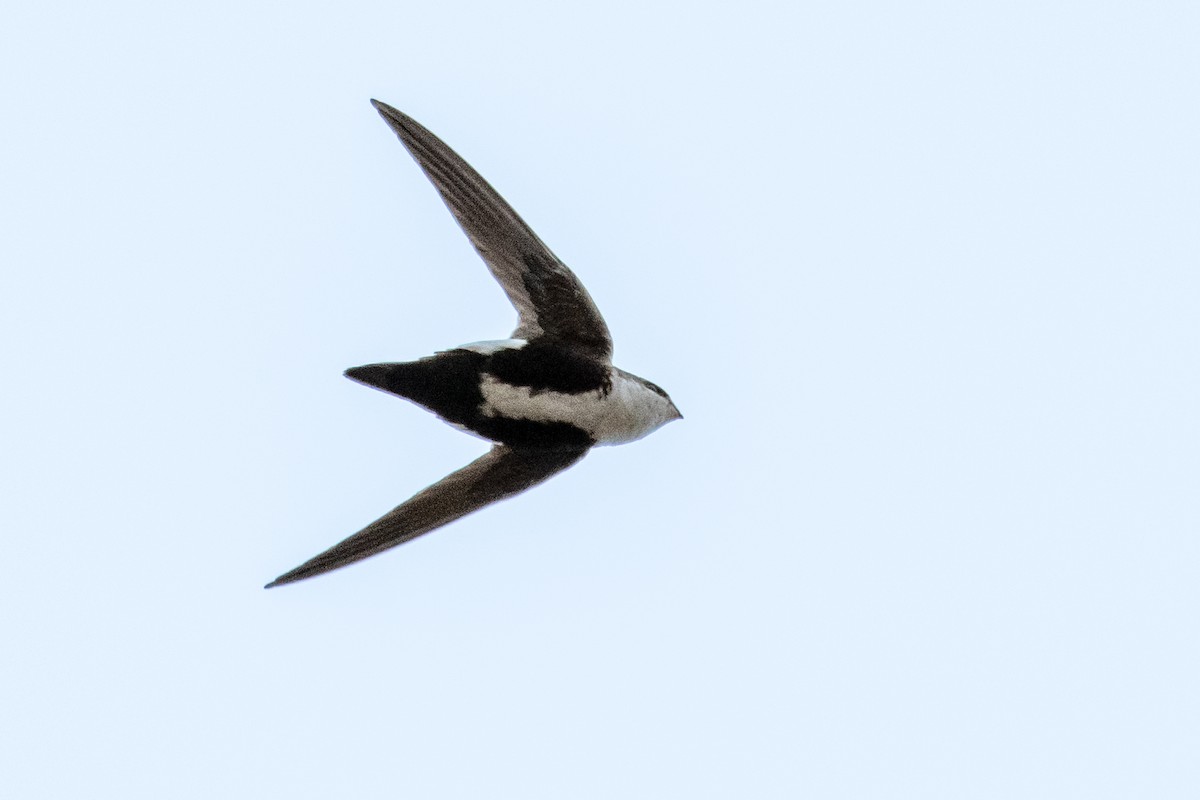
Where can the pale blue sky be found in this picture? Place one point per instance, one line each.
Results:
(924, 278)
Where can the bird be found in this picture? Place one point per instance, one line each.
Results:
(543, 397)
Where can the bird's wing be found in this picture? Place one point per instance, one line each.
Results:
(502, 472)
(548, 297)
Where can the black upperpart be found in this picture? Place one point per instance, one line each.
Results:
(543, 365)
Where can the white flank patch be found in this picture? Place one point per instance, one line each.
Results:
(628, 412)
(487, 348)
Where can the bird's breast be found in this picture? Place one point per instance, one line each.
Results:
(618, 413)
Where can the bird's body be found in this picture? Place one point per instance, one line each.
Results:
(545, 396)
(527, 395)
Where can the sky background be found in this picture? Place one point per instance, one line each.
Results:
(924, 278)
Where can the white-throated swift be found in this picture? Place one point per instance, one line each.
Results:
(544, 396)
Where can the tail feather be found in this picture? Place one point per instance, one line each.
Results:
(446, 384)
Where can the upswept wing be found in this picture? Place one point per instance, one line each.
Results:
(548, 297)
(501, 473)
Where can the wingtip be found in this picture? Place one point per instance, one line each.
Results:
(385, 110)
(300, 573)
(284, 580)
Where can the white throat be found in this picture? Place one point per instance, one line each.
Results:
(627, 412)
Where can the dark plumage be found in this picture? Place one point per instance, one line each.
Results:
(544, 397)
(448, 384)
